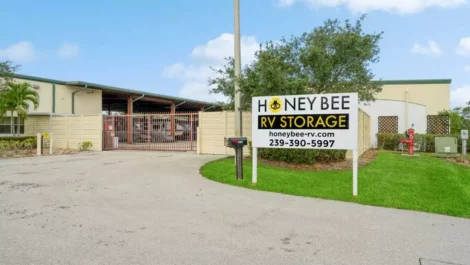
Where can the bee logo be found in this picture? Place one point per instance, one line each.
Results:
(275, 105)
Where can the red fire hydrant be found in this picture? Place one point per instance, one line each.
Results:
(410, 142)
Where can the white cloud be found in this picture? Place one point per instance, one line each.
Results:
(68, 51)
(194, 89)
(392, 6)
(460, 96)
(174, 71)
(285, 3)
(467, 68)
(22, 51)
(203, 57)
(222, 47)
(431, 48)
(464, 47)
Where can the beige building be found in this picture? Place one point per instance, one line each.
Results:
(73, 112)
(61, 97)
(403, 104)
(85, 98)
(434, 94)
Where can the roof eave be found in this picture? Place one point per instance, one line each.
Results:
(416, 82)
(137, 93)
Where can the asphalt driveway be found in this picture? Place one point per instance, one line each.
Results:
(154, 208)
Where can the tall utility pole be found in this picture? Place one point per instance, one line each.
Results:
(237, 58)
(238, 93)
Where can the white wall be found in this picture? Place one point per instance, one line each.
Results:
(416, 115)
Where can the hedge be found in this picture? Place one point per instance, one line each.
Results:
(300, 156)
(390, 141)
(16, 138)
(17, 143)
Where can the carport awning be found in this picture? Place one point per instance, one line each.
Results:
(148, 95)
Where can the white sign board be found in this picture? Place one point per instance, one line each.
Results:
(324, 121)
(464, 134)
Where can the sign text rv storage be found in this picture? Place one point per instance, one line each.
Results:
(324, 121)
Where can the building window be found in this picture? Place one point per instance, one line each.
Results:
(5, 125)
(388, 124)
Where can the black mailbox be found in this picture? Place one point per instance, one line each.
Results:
(235, 142)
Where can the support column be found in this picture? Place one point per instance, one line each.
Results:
(355, 170)
(53, 98)
(149, 125)
(172, 119)
(38, 144)
(129, 119)
(202, 108)
(254, 176)
(191, 131)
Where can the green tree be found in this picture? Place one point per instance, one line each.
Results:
(466, 111)
(6, 104)
(7, 71)
(18, 97)
(332, 58)
(459, 118)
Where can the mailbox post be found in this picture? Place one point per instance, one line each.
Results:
(464, 135)
(237, 143)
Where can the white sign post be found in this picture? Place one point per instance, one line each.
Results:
(464, 136)
(321, 121)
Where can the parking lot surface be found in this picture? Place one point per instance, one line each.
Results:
(127, 207)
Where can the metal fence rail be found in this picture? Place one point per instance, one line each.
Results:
(156, 131)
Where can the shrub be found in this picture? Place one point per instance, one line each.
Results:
(17, 143)
(299, 156)
(16, 138)
(30, 143)
(85, 146)
(390, 141)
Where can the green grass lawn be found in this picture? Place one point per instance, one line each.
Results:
(421, 183)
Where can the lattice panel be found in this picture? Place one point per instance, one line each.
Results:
(438, 124)
(388, 124)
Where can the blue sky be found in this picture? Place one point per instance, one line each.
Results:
(167, 47)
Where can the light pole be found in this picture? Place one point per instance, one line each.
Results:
(237, 61)
(238, 94)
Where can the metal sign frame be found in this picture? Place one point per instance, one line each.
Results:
(315, 121)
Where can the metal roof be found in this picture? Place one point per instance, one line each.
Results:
(179, 100)
(113, 89)
(415, 82)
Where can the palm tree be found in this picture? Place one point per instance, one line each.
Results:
(18, 97)
(6, 104)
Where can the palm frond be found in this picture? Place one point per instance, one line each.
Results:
(18, 97)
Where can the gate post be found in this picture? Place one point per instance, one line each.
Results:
(172, 119)
(149, 124)
(129, 117)
(38, 144)
(191, 120)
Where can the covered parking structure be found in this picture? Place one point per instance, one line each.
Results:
(139, 120)
(132, 119)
